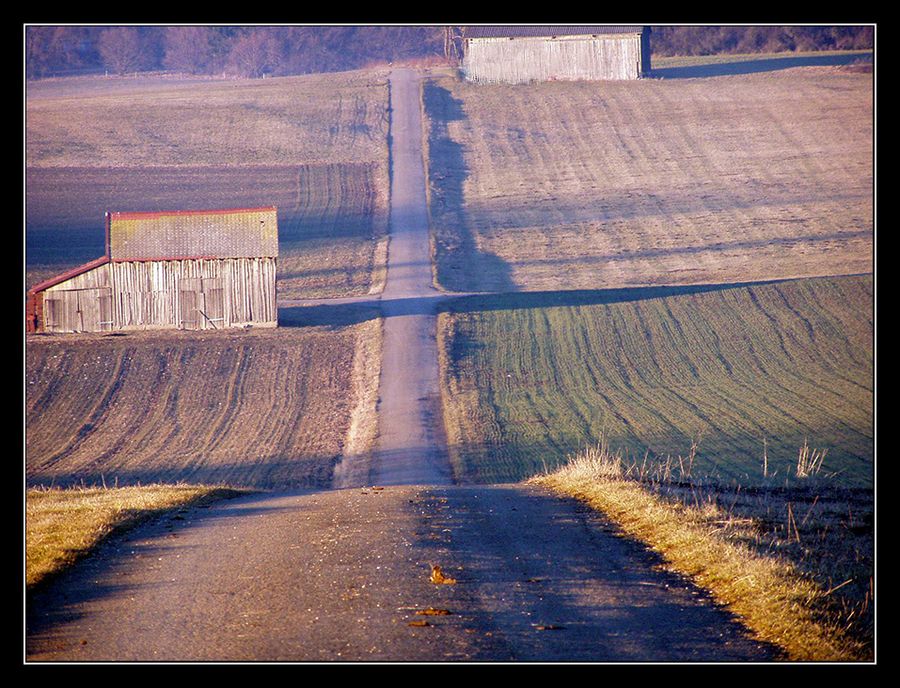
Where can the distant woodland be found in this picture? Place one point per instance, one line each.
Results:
(256, 51)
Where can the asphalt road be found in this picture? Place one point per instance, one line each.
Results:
(345, 575)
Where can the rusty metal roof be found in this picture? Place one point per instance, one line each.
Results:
(231, 233)
(525, 31)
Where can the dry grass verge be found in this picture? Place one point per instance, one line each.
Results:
(63, 525)
(362, 434)
(772, 598)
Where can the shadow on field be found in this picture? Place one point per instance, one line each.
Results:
(460, 264)
(622, 606)
(762, 65)
(64, 207)
(261, 473)
(474, 303)
(344, 312)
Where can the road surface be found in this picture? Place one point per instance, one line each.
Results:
(345, 575)
(342, 576)
(410, 448)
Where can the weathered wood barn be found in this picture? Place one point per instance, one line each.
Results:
(192, 270)
(519, 54)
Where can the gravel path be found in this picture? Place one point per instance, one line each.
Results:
(342, 575)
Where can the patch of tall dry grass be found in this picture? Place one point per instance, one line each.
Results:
(63, 525)
(775, 600)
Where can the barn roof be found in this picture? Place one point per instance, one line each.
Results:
(529, 30)
(68, 274)
(231, 233)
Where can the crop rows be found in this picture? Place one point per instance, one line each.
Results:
(314, 147)
(662, 181)
(263, 409)
(744, 370)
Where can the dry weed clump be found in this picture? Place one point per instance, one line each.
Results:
(776, 601)
(809, 461)
(438, 577)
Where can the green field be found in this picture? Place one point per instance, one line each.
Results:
(744, 370)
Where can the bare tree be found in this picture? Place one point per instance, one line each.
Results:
(254, 53)
(188, 48)
(121, 49)
(53, 49)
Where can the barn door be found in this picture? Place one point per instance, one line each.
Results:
(213, 297)
(201, 303)
(188, 300)
(78, 310)
(104, 304)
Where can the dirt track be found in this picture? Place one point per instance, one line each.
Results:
(409, 451)
(339, 575)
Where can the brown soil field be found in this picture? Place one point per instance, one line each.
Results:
(331, 217)
(314, 147)
(333, 118)
(660, 181)
(256, 408)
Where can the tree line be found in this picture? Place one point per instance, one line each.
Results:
(255, 51)
(249, 51)
(714, 40)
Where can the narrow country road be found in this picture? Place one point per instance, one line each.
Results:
(409, 451)
(344, 575)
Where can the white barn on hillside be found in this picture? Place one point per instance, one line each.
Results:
(520, 54)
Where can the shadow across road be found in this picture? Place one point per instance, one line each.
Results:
(353, 311)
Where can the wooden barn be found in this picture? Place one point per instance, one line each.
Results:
(193, 270)
(520, 54)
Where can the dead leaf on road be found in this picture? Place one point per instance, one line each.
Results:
(438, 577)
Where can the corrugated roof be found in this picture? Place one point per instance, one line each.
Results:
(545, 30)
(232, 233)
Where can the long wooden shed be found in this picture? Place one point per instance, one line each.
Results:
(194, 270)
(521, 54)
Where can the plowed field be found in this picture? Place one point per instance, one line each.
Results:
(256, 408)
(660, 181)
(314, 147)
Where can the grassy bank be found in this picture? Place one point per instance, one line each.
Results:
(63, 525)
(728, 548)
